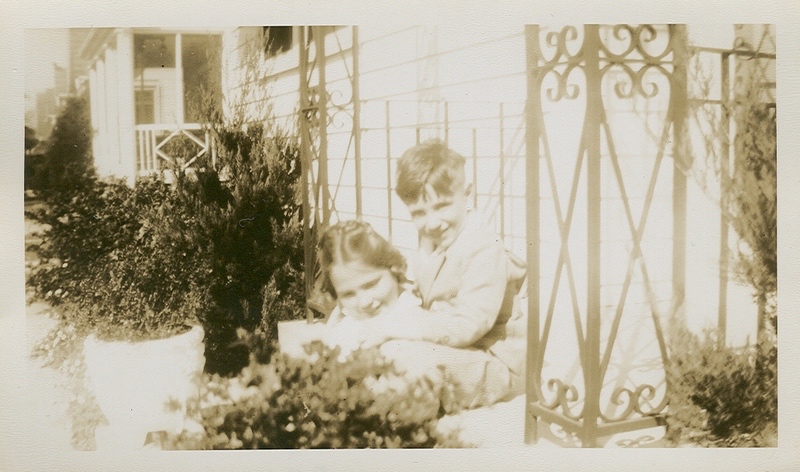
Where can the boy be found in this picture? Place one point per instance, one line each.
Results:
(467, 282)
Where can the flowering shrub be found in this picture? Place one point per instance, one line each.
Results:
(81, 228)
(108, 270)
(322, 403)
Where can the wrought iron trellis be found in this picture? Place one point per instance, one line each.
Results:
(319, 108)
(589, 51)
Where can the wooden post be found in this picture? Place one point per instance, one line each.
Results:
(126, 110)
(179, 80)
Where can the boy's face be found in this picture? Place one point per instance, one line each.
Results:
(440, 218)
(363, 290)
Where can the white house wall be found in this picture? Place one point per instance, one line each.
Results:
(243, 82)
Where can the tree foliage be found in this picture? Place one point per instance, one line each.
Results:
(30, 139)
(746, 172)
(67, 166)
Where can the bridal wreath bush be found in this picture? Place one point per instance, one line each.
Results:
(317, 403)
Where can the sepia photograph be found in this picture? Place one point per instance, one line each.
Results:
(528, 237)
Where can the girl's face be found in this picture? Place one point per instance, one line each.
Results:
(363, 290)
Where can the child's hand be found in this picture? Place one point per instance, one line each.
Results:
(375, 333)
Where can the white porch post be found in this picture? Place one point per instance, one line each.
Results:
(125, 105)
(179, 79)
(102, 155)
(94, 110)
(111, 106)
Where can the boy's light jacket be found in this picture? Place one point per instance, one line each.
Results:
(470, 294)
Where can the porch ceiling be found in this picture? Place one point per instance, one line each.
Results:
(99, 37)
(93, 44)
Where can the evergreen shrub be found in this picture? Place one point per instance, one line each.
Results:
(66, 166)
(722, 396)
(221, 245)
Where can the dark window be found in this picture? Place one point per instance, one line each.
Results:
(153, 50)
(145, 107)
(277, 40)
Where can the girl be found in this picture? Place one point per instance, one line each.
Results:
(365, 275)
(367, 278)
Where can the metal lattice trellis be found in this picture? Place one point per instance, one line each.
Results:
(319, 109)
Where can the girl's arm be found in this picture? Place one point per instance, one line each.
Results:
(462, 320)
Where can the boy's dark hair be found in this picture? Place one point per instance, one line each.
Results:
(431, 162)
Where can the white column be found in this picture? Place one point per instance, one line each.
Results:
(102, 124)
(179, 79)
(125, 104)
(94, 109)
(111, 106)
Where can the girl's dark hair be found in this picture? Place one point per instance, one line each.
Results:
(352, 240)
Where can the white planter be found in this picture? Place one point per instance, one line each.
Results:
(293, 335)
(144, 386)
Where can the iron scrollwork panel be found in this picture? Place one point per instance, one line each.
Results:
(597, 67)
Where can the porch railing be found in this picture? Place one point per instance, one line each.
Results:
(152, 152)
